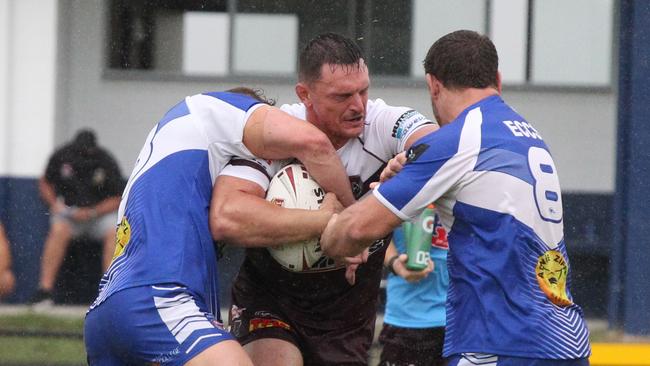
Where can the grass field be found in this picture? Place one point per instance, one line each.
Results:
(33, 339)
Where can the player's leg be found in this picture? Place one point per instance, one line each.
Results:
(226, 353)
(103, 228)
(163, 324)
(411, 346)
(471, 359)
(348, 344)
(258, 324)
(273, 352)
(56, 245)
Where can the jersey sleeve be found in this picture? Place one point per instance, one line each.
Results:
(435, 166)
(222, 117)
(255, 170)
(391, 126)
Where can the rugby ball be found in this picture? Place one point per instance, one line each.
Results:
(293, 187)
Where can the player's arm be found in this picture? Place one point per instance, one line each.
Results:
(273, 134)
(355, 228)
(420, 132)
(239, 214)
(46, 189)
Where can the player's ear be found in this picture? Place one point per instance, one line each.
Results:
(433, 84)
(302, 91)
(499, 82)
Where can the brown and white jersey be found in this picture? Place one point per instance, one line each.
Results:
(387, 128)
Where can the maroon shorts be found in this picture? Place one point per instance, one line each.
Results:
(335, 329)
(411, 346)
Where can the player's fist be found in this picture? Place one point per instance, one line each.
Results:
(392, 168)
(331, 204)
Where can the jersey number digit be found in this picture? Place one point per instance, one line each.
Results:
(547, 185)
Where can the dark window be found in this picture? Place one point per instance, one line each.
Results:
(382, 28)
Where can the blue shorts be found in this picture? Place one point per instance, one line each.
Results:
(164, 324)
(473, 359)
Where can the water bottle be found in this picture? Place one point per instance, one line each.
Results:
(418, 234)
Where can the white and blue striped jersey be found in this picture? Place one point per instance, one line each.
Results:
(497, 192)
(163, 234)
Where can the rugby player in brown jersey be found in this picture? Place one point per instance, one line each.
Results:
(315, 317)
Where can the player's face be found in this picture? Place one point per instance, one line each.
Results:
(338, 101)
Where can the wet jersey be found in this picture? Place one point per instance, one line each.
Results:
(163, 234)
(496, 189)
(323, 289)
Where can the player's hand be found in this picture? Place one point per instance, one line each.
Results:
(399, 266)
(58, 207)
(351, 265)
(392, 168)
(83, 214)
(331, 204)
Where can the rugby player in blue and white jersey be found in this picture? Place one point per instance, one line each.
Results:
(496, 189)
(157, 302)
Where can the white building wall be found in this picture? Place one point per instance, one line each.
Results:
(28, 29)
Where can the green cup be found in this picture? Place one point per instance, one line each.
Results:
(418, 234)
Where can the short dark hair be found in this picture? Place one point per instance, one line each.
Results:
(253, 92)
(463, 59)
(327, 48)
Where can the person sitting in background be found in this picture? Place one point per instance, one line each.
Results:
(82, 186)
(7, 279)
(414, 319)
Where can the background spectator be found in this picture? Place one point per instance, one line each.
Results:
(414, 319)
(82, 186)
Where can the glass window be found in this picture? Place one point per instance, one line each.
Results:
(549, 42)
(433, 19)
(572, 42)
(205, 43)
(265, 43)
(509, 32)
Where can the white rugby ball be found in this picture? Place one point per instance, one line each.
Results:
(293, 187)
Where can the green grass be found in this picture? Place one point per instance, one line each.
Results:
(26, 341)
(41, 351)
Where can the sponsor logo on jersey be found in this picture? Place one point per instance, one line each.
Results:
(357, 185)
(405, 122)
(67, 171)
(552, 271)
(414, 152)
(236, 320)
(439, 235)
(122, 237)
(99, 176)
(277, 201)
(261, 323)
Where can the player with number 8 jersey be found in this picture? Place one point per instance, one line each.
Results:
(518, 270)
(497, 192)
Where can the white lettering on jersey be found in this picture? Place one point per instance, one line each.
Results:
(522, 129)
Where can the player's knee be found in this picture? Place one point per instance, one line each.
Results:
(226, 353)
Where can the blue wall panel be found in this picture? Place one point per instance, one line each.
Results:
(629, 289)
